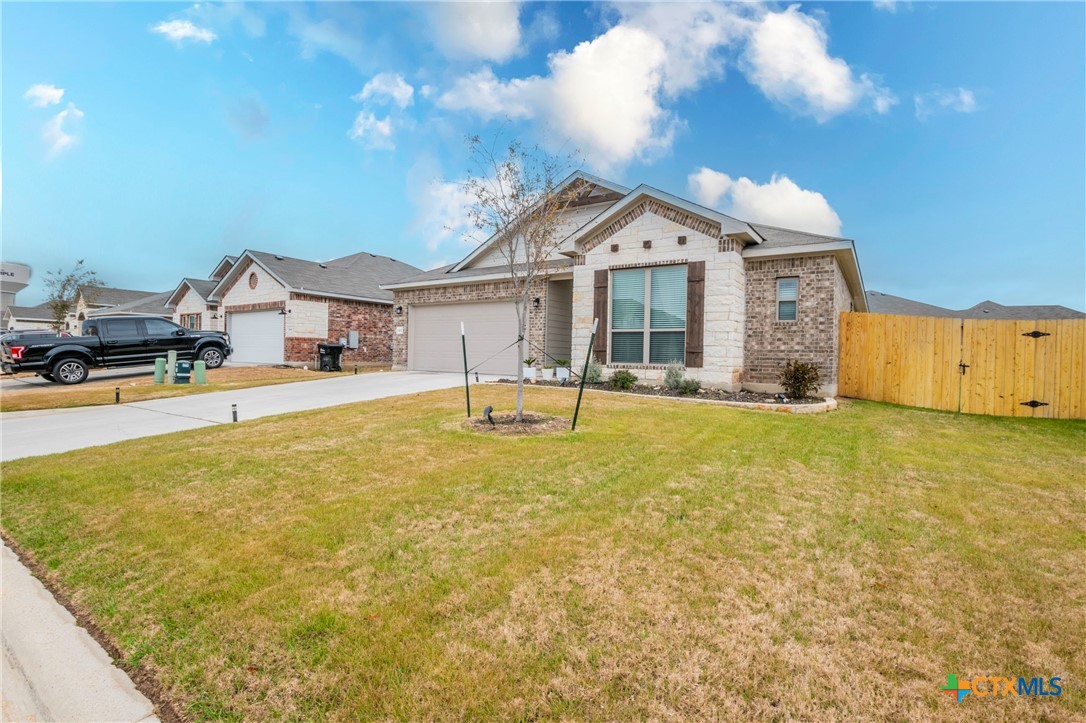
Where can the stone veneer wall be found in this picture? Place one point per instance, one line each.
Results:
(812, 337)
(724, 286)
(491, 291)
(314, 319)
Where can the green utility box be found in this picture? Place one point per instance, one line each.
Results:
(183, 372)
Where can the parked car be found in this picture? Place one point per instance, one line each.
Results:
(110, 341)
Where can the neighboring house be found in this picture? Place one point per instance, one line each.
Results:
(276, 308)
(880, 303)
(153, 305)
(669, 280)
(101, 298)
(28, 317)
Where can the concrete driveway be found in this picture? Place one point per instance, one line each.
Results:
(29, 434)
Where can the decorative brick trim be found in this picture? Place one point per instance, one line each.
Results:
(643, 265)
(619, 365)
(651, 205)
(727, 244)
(262, 306)
(578, 260)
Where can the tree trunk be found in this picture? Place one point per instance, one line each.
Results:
(521, 327)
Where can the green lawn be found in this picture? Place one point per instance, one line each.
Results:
(666, 561)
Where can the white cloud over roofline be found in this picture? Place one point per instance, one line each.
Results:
(780, 202)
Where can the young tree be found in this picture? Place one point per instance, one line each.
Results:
(64, 290)
(517, 201)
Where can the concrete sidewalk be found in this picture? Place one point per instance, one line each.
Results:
(52, 669)
(29, 434)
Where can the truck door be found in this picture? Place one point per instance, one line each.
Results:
(122, 341)
(162, 335)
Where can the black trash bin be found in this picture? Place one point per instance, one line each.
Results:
(328, 355)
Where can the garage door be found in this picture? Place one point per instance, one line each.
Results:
(257, 336)
(434, 341)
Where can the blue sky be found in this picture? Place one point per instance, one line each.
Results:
(153, 138)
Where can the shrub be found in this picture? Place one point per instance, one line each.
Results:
(623, 379)
(595, 372)
(799, 379)
(689, 386)
(674, 376)
(562, 363)
(529, 362)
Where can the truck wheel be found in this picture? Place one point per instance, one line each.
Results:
(212, 357)
(70, 371)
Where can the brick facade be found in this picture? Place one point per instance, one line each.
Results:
(492, 291)
(334, 319)
(812, 337)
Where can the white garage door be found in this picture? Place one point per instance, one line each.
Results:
(257, 336)
(434, 341)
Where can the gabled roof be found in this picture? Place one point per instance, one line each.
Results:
(202, 287)
(358, 276)
(880, 303)
(154, 304)
(223, 267)
(107, 296)
(590, 182)
(728, 226)
(775, 237)
(41, 312)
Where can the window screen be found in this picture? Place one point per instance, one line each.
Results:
(660, 336)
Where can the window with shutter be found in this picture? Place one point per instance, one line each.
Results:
(787, 298)
(655, 337)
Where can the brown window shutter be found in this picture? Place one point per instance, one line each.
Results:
(599, 310)
(695, 314)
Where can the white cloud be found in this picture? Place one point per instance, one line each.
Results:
(602, 96)
(777, 203)
(372, 132)
(181, 30)
(387, 86)
(442, 220)
(958, 100)
(338, 35)
(59, 133)
(787, 58)
(477, 30)
(42, 95)
(611, 96)
(892, 6)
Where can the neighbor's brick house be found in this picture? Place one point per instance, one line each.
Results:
(669, 280)
(277, 309)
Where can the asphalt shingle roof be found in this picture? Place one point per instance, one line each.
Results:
(443, 272)
(775, 236)
(202, 287)
(41, 311)
(879, 303)
(106, 296)
(152, 304)
(358, 275)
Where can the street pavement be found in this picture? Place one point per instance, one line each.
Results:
(53, 669)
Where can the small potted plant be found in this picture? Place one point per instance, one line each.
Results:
(561, 370)
(548, 372)
(529, 369)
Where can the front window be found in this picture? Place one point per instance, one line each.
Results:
(658, 337)
(190, 321)
(787, 297)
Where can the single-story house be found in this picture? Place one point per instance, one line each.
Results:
(880, 303)
(28, 317)
(105, 300)
(669, 280)
(277, 308)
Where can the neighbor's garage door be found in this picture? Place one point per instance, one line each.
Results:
(434, 341)
(257, 336)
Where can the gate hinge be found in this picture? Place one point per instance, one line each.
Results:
(1036, 334)
(1034, 403)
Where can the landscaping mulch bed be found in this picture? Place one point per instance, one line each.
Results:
(506, 424)
(662, 391)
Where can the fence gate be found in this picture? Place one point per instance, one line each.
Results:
(977, 366)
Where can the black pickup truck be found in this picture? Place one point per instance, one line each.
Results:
(110, 341)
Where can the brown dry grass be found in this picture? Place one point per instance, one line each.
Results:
(38, 394)
(664, 562)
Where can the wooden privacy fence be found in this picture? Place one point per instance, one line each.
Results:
(976, 366)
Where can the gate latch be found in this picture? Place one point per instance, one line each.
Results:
(962, 366)
(1036, 334)
(1034, 404)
